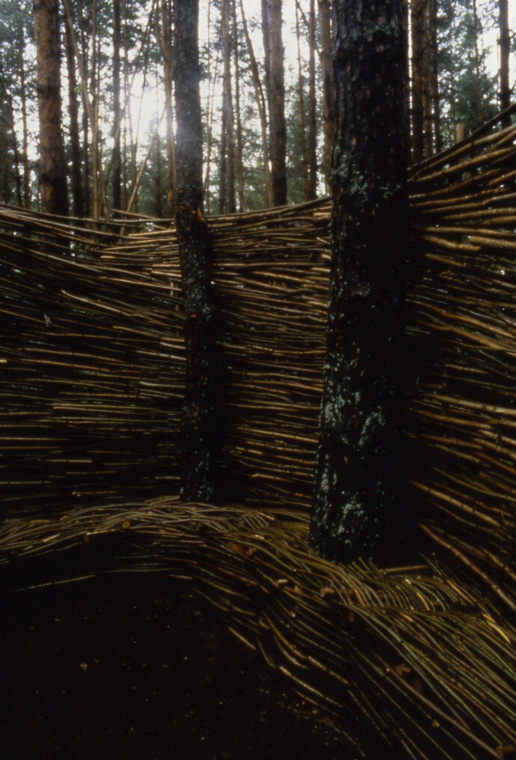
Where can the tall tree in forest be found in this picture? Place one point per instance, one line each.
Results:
(505, 47)
(198, 482)
(312, 108)
(277, 126)
(434, 133)
(75, 142)
(328, 93)
(261, 107)
(117, 154)
(302, 112)
(239, 168)
(419, 72)
(165, 42)
(227, 200)
(54, 198)
(358, 462)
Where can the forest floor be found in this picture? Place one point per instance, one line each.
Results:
(124, 667)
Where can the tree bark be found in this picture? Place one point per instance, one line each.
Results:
(54, 198)
(277, 126)
(239, 168)
(117, 158)
(505, 47)
(312, 112)
(328, 91)
(358, 463)
(198, 481)
(418, 52)
(228, 156)
(262, 112)
(166, 50)
(478, 87)
(75, 142)
(302, 113)
(434, 77)
(25, 139)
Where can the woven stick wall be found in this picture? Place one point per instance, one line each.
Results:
(91, 381)
(90, 384)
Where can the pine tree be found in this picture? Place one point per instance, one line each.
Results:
(54, 199)
(357, 478)
(198, 481)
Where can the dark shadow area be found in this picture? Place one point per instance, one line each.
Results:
(134, 666)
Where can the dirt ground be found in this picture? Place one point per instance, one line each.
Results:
(124, 667)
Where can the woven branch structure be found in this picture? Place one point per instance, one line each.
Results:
(91, 378)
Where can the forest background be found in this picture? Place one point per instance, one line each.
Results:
(116, 89)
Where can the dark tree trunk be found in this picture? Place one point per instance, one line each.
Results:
(434, 77)
(75, 141)
(26, 165)
(266, 51)
(228, 200)
(166, 50)
(239, 169)
(417, 18)
(358, 462)
(198, 481)
(278, 131)
(302, 113)
(312, 111)
(328, 92)
(505, 47)
(52, 164)
(86, 162)
(117, 157)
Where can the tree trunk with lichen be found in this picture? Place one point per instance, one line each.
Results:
(358, 458)
(198, 479)
(54, 198)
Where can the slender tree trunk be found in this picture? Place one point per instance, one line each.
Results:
(212, 77)
(434, 77)
(117, 115)
(312, 113)
(94, 117)
(418, 51)
(198, 482)
(91, 105)
(428, 143)
(54, 198)
(302, 113)
(166, 50)
(239, 168)
(478, 88)
(159, 166)
(223, 170)
(262, 113)
(17, 161)
(227, 154)
(75, 142)
(277, 126)
(228, 97)
(266, 52)
(86, 174)
(4, 163)
(25, 130)
(328, 90)
(9, 126)
(358, 456)
(505, 47)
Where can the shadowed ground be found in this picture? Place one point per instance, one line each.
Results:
(121, 668)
